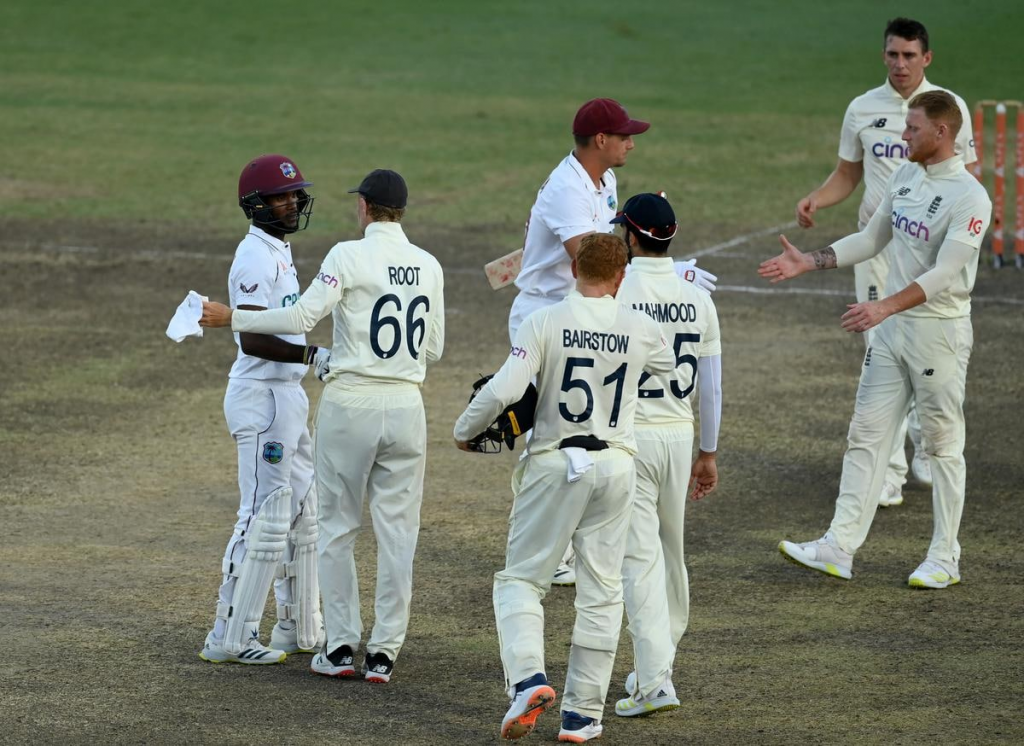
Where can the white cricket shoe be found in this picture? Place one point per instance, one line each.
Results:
(821, 555)
(566, 572)
(921, 468)
(526, 707)
(631, 684)
(578, 728)
(288, 640)
(253, 654)
(662, 698)
(339, 662)
(891, 496)
(931, 574)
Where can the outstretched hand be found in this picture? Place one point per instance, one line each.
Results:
(789, 264)
(215, 314)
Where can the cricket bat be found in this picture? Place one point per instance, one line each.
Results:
(504, 270)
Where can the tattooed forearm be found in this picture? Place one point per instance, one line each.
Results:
(824, 259)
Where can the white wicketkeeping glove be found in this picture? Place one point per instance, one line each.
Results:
(322, 362)
(690, 272)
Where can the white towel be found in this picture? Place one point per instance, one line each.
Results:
(580, 463)
(185, 322)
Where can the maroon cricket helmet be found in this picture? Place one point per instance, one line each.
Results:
(266, 176)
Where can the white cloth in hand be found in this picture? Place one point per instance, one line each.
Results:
(185, 322)
(322, 362)
(580, 463)
(702, 279)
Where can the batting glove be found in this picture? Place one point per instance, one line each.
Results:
(690, 272)
(321, 362)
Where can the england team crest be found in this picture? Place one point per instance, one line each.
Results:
(288, 170)
(273, 453)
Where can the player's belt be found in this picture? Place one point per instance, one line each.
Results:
(586, 442)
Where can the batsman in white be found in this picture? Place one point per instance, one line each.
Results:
(932, 218)
(386, 297)
(578, 198)
(576, 483)
(266, 411)
(870, 149)
(654, 576)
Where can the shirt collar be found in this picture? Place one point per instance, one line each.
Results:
(575, 165)
(946, 167)
(274, 243)
(654, 265)
(925, 86)
(388, 228)
(577, 294)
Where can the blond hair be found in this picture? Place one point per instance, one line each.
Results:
(939, 106)
(383, 214)
(600, 257)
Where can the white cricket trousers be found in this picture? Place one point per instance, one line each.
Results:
(548, 512)
(267, 419)
(656, 586)
(911, 360)
(869, 285)
(370, 444)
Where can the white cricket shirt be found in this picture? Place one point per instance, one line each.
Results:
(263, 274)
(924, 207)
(689, 322)
(568, 205)
(587, 355)
(387, 299)
(873, 133)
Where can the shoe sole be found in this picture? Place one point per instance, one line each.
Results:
(647, 708)
(378, 678)
(268, 662)
(339, 675)
(563, 583)
(523, 725)
(570, 738)
(919, 583)
(827, 568)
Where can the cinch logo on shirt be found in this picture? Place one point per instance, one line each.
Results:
(517, 352)
(889, 149)
(912, 228)
(328, 279)
(975, 226)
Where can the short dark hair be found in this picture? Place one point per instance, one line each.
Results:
(908, 29)
(939, 106)
(653, 245)
(582, 141)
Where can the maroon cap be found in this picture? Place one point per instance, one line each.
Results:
(608, 116)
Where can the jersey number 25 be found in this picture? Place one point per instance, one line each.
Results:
(680, 359)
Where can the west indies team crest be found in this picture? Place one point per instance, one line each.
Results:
(273, 453)
(611, 202)
(288, 170)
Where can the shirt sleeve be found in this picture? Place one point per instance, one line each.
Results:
(965, 137)
(435, 341)
(953, 256)
(567, 212)
(709, 378)
(711, 343)
(876, 235)
(970, 218)
(850, 147)
(320, 297)
(251, 279)
(507, 386)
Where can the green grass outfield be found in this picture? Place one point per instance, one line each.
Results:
(146, 112)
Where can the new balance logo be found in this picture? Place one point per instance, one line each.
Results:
(380, 668)
(903, 191)
(879, 123)
(929, 371)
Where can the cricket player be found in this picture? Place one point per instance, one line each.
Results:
(386, 297)
(587, 354)
(870, 148)
(932, 219)
(578, 198)
(655, 581)
(266, 411)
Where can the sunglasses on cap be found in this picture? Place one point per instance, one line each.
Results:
(658, 233)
